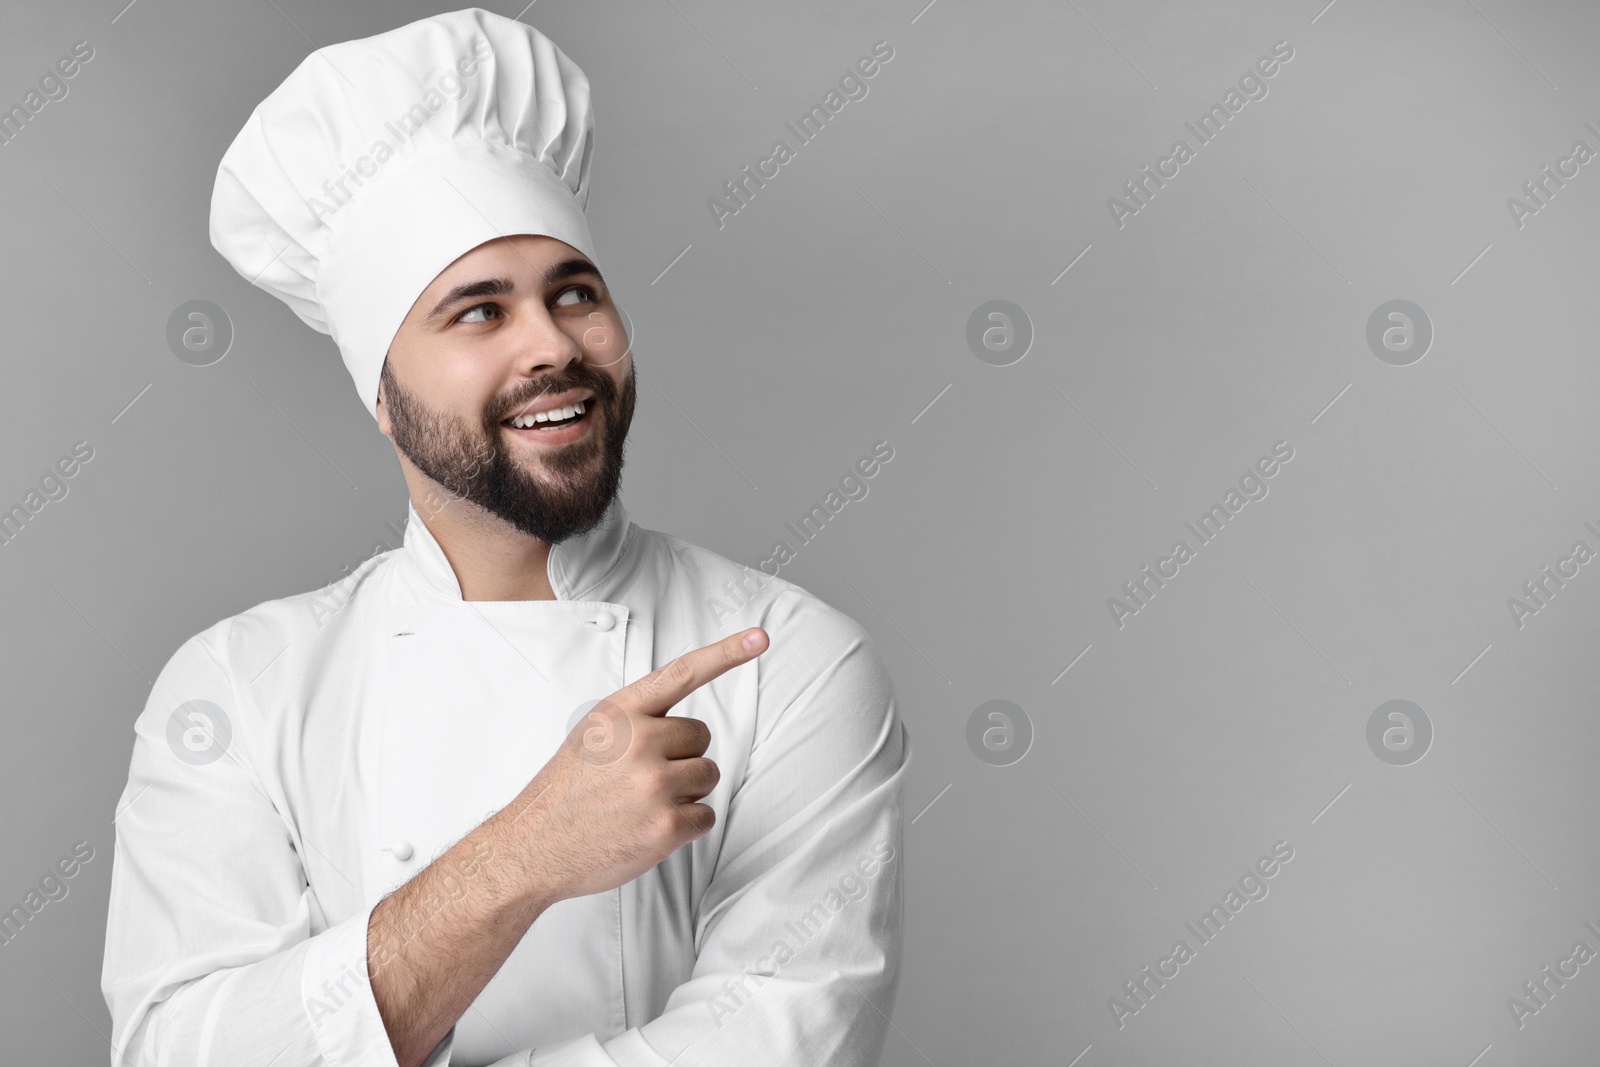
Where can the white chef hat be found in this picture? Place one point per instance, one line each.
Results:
(380, 161)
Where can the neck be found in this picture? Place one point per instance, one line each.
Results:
(492, 559)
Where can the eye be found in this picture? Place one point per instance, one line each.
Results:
(587, 291)
(480, 307)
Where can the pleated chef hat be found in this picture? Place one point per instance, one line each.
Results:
(380, 161)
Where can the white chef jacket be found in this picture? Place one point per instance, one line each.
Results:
(371, 725)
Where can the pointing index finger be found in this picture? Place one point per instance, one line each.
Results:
(658, 691)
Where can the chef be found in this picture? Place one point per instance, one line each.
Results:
(512, 793)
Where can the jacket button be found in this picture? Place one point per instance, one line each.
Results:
(400, 850)
(604, 621)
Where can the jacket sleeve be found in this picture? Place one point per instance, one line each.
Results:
(210, 954)
(798, 934)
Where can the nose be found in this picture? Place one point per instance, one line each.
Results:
(542, 346)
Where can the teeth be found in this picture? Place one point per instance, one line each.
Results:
(525, 421)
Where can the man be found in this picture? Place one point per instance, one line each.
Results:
(508, 794)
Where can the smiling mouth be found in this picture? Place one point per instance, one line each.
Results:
(557, 419)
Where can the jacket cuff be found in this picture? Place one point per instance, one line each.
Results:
(341, 1011)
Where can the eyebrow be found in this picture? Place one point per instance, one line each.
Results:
(567, 268)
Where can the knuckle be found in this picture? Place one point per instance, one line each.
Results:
(664, 824)
(659, 782)
(645, 786)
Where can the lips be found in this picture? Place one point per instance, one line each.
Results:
(547, 402)
(550, 417)
(559, 431)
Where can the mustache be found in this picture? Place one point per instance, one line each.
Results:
(603, 388)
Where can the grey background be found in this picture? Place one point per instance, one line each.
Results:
(831, 313)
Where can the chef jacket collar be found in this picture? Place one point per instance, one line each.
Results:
(577, 565)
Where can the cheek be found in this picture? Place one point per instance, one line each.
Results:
(621, 376)
(443, 386)
(605, 341)
(461, 387)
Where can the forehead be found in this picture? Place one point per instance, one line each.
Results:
(517, 255)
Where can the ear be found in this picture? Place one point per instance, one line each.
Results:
(384, 426)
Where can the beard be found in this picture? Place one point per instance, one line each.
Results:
(569, 488)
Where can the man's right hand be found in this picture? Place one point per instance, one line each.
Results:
(616, 799)
(621, 793)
